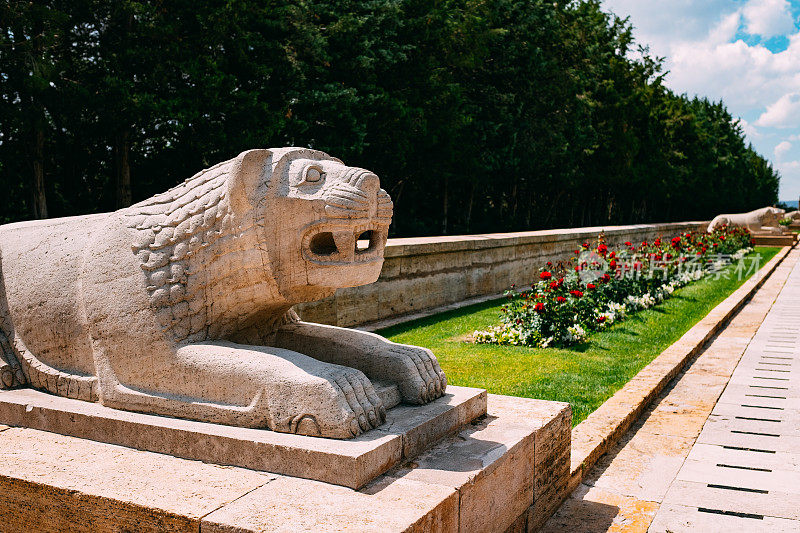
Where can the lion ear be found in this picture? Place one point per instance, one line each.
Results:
(249, 174)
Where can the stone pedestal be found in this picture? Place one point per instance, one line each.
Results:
(506, 470)
(787, 239)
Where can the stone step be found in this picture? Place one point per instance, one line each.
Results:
(351, 463)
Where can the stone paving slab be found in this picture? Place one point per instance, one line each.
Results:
(742, 473)
(643, 468)
(774, 503)
(598, 510)
(745, 457)
(710, 472)
(673, 518)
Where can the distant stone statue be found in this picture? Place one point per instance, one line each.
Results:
(794, 216)
(761, 221)
(181, 304)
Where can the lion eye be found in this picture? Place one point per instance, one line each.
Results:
(313, 175)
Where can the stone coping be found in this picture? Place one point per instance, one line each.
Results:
(352, 463)
(602, 429)
(410, 246)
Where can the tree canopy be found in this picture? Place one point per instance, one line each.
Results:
(478, 115)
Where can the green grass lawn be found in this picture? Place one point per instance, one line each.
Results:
(585, 375)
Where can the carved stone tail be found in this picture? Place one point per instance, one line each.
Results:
(19, 367)
(11, 374)
(31, 371)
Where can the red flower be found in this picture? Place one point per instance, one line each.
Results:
(545, 275)
(576, 293)
(601, 319)
(539, 307)
(606, 277)
(612, 265)
(560, 299)
(602, 248)
(657, 242)
(549, 263)
(628, 243)
(591, 286)
(553, 284)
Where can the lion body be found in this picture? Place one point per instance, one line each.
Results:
(181, 305)
(764, 220)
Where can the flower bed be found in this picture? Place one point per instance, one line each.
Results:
(600, 286)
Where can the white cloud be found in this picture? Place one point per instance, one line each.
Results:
(781, 149)
(740, 74)
(749, 130)
(768, 18)
(790, 179)
(784, 113)
(757, 78)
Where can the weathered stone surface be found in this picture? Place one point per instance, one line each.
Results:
(51, 482)
(47, 481)
(352, 463)
(596, 510)
(290, 505)
(420, 427)
(673, 518)
(496, 466)
(181, 304)
(764, 220)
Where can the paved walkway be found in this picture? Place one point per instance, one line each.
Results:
(720, 449)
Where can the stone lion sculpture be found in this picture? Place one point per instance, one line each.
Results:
(764, 220)
(794, 216)
(181, 305)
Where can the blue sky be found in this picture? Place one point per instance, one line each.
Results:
(744, 52)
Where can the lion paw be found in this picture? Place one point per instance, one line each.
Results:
(421, 379)
(342, 405)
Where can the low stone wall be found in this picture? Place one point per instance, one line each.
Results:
(430, 272)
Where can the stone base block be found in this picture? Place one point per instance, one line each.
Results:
(351, 463)
(495, 475)
(775, 240)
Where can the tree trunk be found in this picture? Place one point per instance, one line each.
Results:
(39, 197)
(469, 207)
(444, 208)
(122, 148)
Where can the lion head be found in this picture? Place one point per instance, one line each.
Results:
(324, 223)
(770, 216)
(249, 237)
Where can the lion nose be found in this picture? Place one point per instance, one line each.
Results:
(369, 183)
